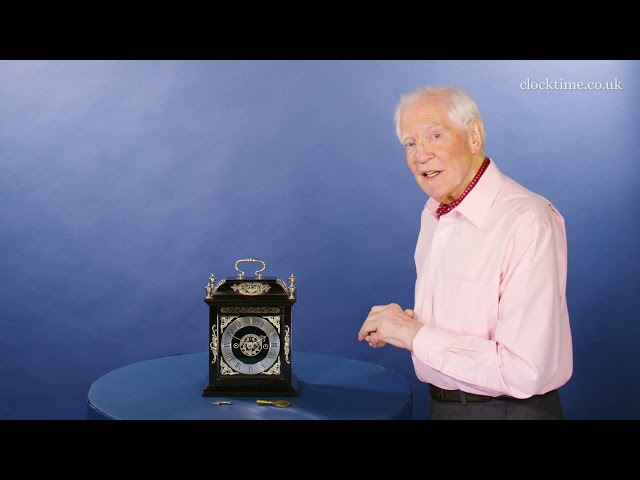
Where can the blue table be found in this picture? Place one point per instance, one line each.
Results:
(330, 387)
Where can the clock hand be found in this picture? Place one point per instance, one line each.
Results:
(261, 337)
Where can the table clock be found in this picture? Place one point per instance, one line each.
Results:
(250, 335)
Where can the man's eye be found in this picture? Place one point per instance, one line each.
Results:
(409, 144)
(436, 136)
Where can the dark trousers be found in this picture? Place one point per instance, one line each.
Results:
(539, 407)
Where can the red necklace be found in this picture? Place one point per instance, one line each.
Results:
(444, 209)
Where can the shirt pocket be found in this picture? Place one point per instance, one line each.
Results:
(465, 307)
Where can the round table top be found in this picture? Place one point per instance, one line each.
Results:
(170, 388)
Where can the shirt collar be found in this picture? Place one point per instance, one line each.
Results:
(477, 203)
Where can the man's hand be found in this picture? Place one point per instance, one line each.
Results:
(389, 324)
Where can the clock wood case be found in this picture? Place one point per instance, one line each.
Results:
(250, 336)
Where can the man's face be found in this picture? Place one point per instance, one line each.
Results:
(440, 154)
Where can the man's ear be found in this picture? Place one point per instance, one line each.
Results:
(476, 135)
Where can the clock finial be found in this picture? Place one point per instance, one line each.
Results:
(292, 289)
(210, 287)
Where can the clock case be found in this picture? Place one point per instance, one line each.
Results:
(256, 297)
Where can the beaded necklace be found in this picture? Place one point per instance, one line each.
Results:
(444, 209)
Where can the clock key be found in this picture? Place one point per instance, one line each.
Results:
(275, 403)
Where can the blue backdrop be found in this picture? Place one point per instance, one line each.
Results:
(125, 184)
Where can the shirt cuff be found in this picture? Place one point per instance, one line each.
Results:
(428, 344)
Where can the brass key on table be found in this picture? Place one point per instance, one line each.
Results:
(275, 403)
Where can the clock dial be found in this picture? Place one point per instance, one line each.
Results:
(250, 345)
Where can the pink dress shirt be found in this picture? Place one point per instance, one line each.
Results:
(491, 293)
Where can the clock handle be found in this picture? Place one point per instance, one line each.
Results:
(258, 274)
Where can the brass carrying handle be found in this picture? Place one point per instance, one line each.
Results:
(252, 260)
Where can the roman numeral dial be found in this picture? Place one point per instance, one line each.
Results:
(250, 345)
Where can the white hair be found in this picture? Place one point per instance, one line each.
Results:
(462, 109)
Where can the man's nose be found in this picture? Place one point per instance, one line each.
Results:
(424, 151)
